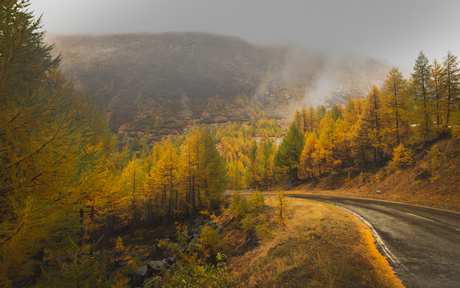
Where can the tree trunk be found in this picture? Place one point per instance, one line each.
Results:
(164, 206)
(93, 231)
(191, 196)
(82, 230)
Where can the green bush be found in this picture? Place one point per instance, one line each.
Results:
(192, 275)
(257, 200)
(240, 205)
(193, 271)
(209, 239)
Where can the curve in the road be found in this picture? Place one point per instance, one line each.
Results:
(423, 244)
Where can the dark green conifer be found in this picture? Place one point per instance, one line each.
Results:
(288, 154)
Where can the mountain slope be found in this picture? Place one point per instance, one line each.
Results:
(173, 79)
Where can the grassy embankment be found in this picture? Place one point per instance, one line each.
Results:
(321, 246)
(418, 184)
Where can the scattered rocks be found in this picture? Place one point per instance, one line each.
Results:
(146, 273)
(157, 260)
(140, 274)
(171, 260)
(195, 241)
(199, 220)
(170, 247)
(157, 266)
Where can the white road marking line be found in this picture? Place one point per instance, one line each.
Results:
(419, 216)
(382, 245)
(377, 238)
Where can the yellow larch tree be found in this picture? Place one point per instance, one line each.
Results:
(396, 105)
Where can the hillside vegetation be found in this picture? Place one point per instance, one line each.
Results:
(420, 184)
(318, 245)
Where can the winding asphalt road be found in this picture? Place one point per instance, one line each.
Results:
(422, 244)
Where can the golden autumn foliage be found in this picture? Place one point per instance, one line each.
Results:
(401, 158)
(64, 188)
(280, 205)
(119, 245)
(390, 122)
(54, 145)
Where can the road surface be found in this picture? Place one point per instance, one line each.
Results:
(422, 244)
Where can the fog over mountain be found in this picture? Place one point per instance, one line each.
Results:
(393, 30)
(185, 77)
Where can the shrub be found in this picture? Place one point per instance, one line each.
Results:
(239, 206)
(263, 231)
(163, 244)
(379, 176)
(257, 200)
(209, 242)
(434, 157)
(194, 272)
(348, 180)
(281, 206)
(402, 157)
(192, 275)
(434, 178)
(119, 245)
(247, 223)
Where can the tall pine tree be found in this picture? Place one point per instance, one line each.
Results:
(288, 154)
(422, 98)
(450, 84)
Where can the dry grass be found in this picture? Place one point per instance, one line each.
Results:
(321, 246)
(441, 190)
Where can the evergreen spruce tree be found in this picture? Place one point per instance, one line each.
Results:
(422, 98)
(214, 170)
(288, 154)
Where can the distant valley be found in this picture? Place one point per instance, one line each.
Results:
(161, 83)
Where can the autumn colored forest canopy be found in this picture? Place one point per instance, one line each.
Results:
(66, 189)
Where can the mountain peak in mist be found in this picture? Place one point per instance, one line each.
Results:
(169, 73)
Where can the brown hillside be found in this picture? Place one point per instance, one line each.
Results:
(419, 185)
(173, 76)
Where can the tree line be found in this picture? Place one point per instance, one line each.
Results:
(402, 116)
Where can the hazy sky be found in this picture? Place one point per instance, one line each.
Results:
(394, 30)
